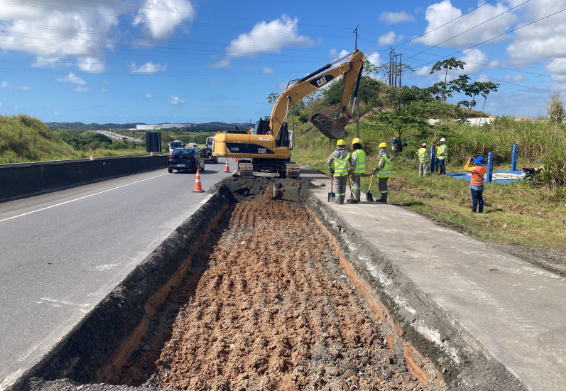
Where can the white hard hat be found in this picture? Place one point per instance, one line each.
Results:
(442, 140)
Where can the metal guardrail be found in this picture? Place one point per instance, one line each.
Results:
(24, 164)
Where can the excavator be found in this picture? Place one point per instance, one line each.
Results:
(268, 148)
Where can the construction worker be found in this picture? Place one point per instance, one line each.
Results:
(358, 168)
(338, 163)
(383, 171)
(423, 160)
(477, 182)
(441, 155)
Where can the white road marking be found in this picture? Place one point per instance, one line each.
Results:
(77, 199)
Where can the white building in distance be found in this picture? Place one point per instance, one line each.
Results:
(163, 126)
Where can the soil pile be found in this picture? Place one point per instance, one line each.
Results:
(270, 309)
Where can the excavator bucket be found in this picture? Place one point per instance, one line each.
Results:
(332, 129)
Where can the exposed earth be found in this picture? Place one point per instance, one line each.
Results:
(266, 306)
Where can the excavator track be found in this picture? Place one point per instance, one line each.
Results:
(245, 169)
(293, 170)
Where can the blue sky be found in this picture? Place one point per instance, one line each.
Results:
(159, 61)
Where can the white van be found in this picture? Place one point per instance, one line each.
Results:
(175, 144)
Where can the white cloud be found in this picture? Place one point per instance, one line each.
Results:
(267, 71)
(56, 30)
(149, 95)
(280, 87)
(389, 39)
(104, 90)
(484, 78)
(475, 60)
(440, 13)
(517, 77)
(213, 84)
(175, 100)
(423, 71)
(21, 88)
(71, 78)
(557, 66)
(334, 55)
(396, 17)
(148, 67)
(265, 38)
(159, 18)
(82, 89)
(374, 59)
(91, 65)
(4, 84)
(56, 112)
(106, 82)
(0, 104)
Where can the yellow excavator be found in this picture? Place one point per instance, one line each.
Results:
(268, 148)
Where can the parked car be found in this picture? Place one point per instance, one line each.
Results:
(185, 159)
(206, 153)
(175, 144)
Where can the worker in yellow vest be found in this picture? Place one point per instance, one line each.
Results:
(339, 165)
(383, 171)
(441, 156)
(423, 160)
(358, 168)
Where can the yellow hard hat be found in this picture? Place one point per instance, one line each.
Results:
(382, 145)
(340, 142)
(356, 141)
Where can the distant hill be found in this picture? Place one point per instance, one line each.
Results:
(204, 127)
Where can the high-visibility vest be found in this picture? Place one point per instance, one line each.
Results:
(422, 155)
(360, 161)
(442, 152)
(385, 172)
(477, 176)
(341, 166)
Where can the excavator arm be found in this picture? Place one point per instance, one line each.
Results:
(311, 83)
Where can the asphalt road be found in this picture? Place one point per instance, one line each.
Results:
(61, 253)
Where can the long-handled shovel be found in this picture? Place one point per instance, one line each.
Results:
(369, 196)
(331, 195)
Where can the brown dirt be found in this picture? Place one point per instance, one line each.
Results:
(267, 306)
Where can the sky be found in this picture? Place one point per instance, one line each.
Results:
(155, 61)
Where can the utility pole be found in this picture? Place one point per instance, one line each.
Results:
(391, 54)
(356, 32)
(400, 68)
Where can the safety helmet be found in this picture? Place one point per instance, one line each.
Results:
(382, 145)
(340, 142)
(442, 140)
(423, 144)
(356, 141)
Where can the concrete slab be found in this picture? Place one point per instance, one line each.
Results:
(514, 309)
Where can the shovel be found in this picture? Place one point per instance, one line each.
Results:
(331, 195)
(369, 196)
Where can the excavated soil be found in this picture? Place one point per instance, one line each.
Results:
(266, 306)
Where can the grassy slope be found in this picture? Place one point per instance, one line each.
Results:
(26, 139)
(515, 213)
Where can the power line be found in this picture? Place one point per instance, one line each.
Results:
(470, 29)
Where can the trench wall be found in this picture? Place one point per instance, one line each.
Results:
(20, 180)
(437, 349)
(99, 345)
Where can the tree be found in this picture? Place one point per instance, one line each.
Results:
(403, 119)
(447, 65)
(272, 98)
(555, 108)
(473, 90)
(369, 68)
(485, 89)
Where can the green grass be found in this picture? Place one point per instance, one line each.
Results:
(514, 213)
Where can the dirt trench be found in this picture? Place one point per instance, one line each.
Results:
(266, 305)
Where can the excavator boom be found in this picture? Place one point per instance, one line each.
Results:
(312, 82)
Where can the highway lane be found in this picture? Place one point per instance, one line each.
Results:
(61, 253)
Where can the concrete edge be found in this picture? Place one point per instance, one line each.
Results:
(134, 301)
(438, 350)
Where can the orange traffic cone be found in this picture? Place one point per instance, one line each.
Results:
(227, 167)
(91, 157)
(151, 153)
(198, 186)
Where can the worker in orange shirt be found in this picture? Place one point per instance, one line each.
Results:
(477, 182)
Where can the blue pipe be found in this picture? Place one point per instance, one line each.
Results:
(432, 159)
(489, 166)
(514, 158)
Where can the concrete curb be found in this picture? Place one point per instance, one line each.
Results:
(437, 349)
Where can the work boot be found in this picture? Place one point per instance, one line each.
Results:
(353, 201)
